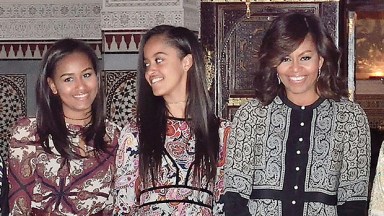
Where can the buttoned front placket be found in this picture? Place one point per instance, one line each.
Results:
(296, 160)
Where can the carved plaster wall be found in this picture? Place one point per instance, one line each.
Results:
(50, 20)
(29, 27)
(139, 14)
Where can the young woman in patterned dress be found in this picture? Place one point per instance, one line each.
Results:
(301, 147)
(62, 161)
(170, 162)
(376, 205)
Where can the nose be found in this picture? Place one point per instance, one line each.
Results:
(295, 66)
(80, 84)
(150, 69)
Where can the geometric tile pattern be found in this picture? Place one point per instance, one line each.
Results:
(12, 106)
(122, 41)
(35, 49)
(121, 95)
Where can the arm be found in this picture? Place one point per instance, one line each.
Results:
(239, 167)
(376, 207)
(4, 209)
(224, 130)
(113, 133)
(354, 176)
(127, 175)
(21, 171)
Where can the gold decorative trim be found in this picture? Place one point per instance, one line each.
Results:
(237, 101)
(209, 68)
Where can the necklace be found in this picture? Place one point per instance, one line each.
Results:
(85, 118)
(177, 102)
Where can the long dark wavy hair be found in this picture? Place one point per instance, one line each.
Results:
(284, 36)
(50, 117)
(152, 113)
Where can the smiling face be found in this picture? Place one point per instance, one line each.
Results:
(75, 82)
(166, 70)
(299, 71)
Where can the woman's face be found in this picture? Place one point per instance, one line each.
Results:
(299, 71)
(75, 82)
(166, 72)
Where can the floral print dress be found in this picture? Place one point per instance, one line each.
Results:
(377, 197)
(174, 192)
(44, 184)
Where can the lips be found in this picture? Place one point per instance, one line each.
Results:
(297, 78)
(80, 96)
(155, 80)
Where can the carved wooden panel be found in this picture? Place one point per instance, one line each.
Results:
(235, 39)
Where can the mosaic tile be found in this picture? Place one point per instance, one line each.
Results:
(12, 106)
(121, 95)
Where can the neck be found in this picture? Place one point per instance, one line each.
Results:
(176, 102)
(80, 121)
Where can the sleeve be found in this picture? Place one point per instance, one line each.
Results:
(354, 176)
(113, 132)
(224, 131)
(239, 167)
(376, 207)
(21, 172)
(4, 208)
(127, 175)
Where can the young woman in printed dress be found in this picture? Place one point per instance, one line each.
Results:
(170, 161)
(376, 205)
(63, 161)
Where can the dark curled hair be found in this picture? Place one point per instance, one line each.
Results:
(284, 36)
(153, 113)
(50, 117)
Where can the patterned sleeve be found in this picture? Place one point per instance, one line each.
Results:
(354, 176)
(239, 168)
(3, 188)
(113, 133)
(127, 174)
(219, 184)
(21, 168)
(377, 197)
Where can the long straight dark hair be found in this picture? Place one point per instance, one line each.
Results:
(50, 117)
(152, 113)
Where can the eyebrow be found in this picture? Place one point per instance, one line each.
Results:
(155, 54)
(84, 70)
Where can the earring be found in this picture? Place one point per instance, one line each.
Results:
(318, 75)
(278, 79)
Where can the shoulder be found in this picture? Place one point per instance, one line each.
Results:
(24, 129)
(130, 127)
(224, 123)
(346, 105)
(111, 127)
(129, 134)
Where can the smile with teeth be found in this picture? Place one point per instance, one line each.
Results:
(155, 80)
(297, 78)
(81, 96)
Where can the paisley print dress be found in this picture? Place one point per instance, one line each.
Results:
(44, 184)
(174, 193)
(285, 159)
(377, 196)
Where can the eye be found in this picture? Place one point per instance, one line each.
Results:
(285, 59)
(86, 75)
(146, 64)
(158, 60)
(68, 79)
(306, 58)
